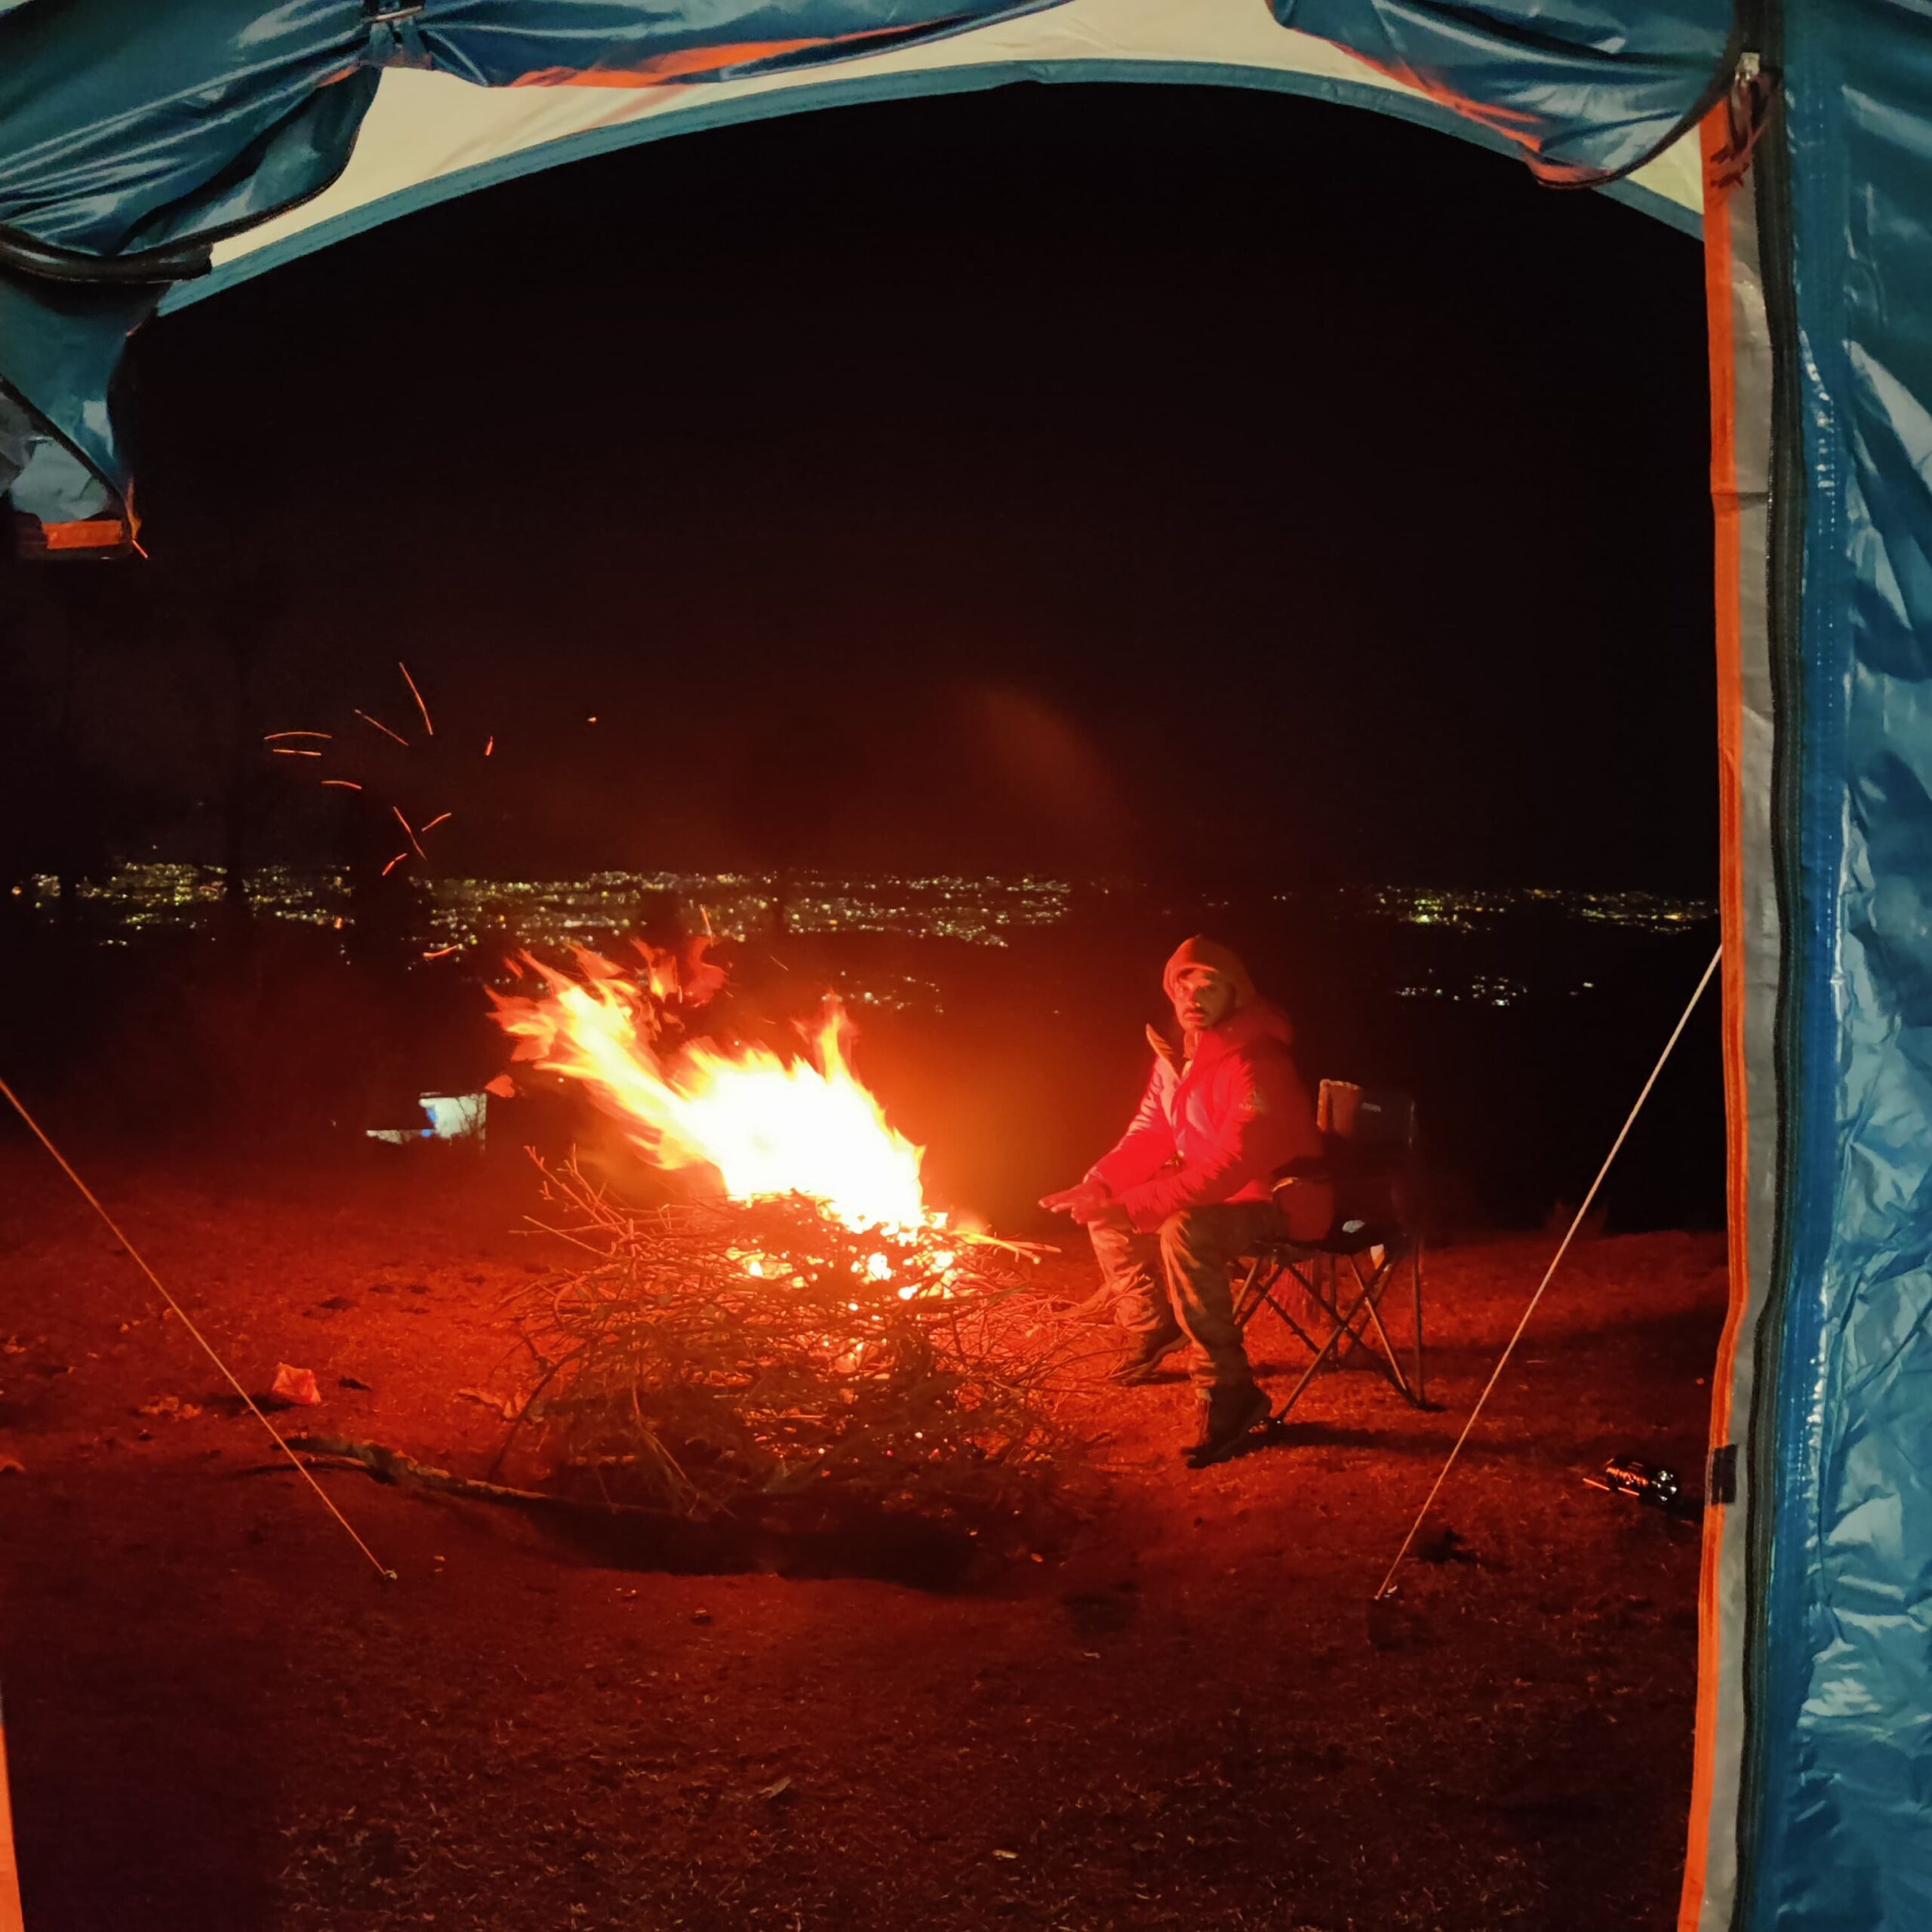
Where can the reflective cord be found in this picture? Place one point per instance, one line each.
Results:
(208, 1347)
(1677, 1033)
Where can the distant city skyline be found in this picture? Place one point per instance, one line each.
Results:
(980, 909)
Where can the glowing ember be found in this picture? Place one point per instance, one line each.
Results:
(767, 1126)
(275, 741)
(418, 695)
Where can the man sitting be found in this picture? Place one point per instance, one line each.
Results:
(1184, 1192)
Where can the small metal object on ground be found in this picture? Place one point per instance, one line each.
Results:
(1647, 1484)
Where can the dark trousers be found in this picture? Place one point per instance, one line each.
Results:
(1178, 1280)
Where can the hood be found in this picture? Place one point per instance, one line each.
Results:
(1202, 951)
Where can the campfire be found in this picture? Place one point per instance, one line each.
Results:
(768, 1128)
(789, 1322)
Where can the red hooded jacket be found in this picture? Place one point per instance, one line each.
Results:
(1218, 1126)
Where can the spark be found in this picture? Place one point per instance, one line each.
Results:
(382, 728)
(410, 829)
(418, 695)
(291, 751)
(393, 863)
(491, 745)
(436, 821)
(269, 738)
(442, 952)
(347, 784)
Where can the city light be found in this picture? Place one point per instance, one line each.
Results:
(463, 914)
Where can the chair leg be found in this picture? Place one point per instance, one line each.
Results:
(1363, 1315)
(1327, 1296)
(1387, 1346)
(1259, 1286)
(1300, 1333)
(1250, 1296)
(1351, 1325)
(1342, 1328)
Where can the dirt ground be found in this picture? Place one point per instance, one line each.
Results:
(1185, 1713)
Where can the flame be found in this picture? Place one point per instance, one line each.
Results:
(767, 1126)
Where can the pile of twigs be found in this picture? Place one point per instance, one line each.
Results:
(763, 1358)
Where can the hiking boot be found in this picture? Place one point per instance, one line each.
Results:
(1227, 1416)
(1144, 1357)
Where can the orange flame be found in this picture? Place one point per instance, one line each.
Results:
(767, 1126)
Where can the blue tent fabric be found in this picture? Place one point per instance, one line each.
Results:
(1587, 89)
(63, 341)
(211, 117)
(205, 118)
(1842, 1830)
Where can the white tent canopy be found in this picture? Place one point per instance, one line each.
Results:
(430, 137)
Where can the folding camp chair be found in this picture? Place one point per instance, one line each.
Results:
(1368, 1168)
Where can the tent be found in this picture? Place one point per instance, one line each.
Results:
(151, 156)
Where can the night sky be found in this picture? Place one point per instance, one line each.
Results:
(1138, 479)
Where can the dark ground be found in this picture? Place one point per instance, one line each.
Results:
(1186, 1716)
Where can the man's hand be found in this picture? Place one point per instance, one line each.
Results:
(1087, 1202)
